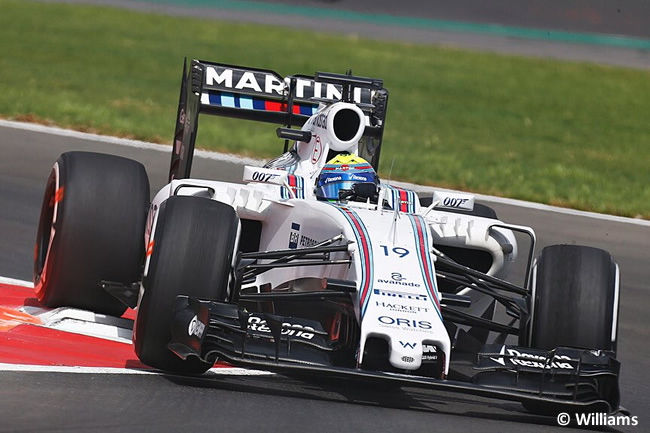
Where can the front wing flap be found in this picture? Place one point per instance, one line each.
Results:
(210, 329)
(564, 379)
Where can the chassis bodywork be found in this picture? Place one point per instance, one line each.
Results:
(383, 289)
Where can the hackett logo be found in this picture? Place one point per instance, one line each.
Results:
(402, 308)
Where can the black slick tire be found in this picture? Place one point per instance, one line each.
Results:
(576, 299)
(91, 228)
(575, 305)
(192, 254)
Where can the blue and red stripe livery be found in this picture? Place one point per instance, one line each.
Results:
(365, 256)
(235, 100)
(426, 264)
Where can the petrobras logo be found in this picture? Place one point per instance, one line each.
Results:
(306, 242)
(222, 77)
(400, 295)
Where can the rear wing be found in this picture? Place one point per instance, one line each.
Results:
(264, 96)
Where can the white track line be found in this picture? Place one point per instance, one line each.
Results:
(257, 162)
(220, 371)
(53, 130)
(15, 282)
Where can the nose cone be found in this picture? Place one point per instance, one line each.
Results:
(405, 354)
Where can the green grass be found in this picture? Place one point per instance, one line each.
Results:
(569, 134)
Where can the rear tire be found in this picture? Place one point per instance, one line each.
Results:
(91, 228)
(575, 305)
(192, 255)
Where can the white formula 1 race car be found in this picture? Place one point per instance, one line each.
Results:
(312, 265)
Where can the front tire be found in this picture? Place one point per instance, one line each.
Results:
(575, 305)
(192, 255)
(91, 228)
(576, 299)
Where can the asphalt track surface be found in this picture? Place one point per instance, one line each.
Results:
(31, 401)
(604, 31)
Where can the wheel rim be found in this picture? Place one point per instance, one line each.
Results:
(44, 235)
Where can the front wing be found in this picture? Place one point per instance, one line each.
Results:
(564, 379)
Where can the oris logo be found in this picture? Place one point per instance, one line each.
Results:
(405, 323)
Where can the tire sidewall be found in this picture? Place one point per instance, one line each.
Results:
(167, 276)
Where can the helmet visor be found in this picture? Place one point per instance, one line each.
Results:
(330, 184)
(330, 191)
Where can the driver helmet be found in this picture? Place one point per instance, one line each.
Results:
(340, 173)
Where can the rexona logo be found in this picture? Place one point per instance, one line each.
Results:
(333, 179)
(530, 360)
(404, 323)
(360, 178)
(291, 329)
(196, 327)
(400, 295)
